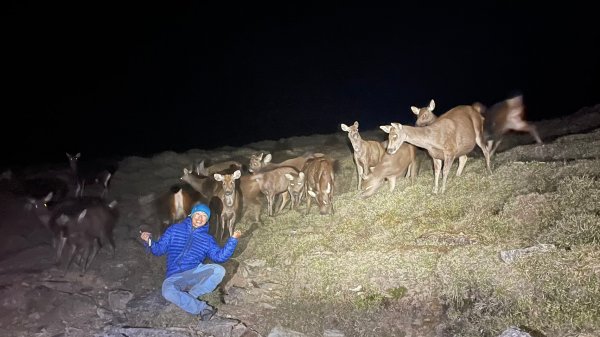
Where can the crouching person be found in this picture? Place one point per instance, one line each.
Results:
(187, 244)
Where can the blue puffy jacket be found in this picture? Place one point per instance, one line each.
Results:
(187, 247)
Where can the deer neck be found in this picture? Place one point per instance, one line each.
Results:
(357, 144)
(229, 199)
(419, 136)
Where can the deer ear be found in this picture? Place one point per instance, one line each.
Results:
(415, 110)
(268, 158)
(385, 128)
(431, 105)
(301, 175)
(397, 125)
(82, 215)
(78, 155)
(237, 174)
(356, 123)
(218, 177)
(344, 127)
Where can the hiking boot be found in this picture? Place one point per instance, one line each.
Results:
(207, 313)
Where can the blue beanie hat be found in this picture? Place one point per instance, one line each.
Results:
(201, 208)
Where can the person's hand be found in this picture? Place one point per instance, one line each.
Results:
(145, 236)
(237, 234)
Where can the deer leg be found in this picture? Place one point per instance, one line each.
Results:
(59, 247)
(446, 170)
(221, 229)
(270, 200)
(413, 171)
(359, 171)
(532, 131)
(230, 226)
(437, 167)
(486, 153)
(71, 254)
(392, 182)
(95, 247)
(462, 161)
(284, 200)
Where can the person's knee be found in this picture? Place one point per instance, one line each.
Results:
(218, 271)
(168, 292)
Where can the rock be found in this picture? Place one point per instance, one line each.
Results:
(514, 332)
(333, 333)
(509, 256)
(279, 331)
(142, 332)
(223, 327)
(118, 299)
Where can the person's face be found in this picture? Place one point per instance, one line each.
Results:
(199, 219)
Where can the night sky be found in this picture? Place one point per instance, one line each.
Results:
(134, 78)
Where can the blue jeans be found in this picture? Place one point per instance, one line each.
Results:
(184, 288)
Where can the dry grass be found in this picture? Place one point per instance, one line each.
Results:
(447, 246)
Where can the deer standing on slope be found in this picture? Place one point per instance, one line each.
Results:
(367, 153)
(88, 175)
(231, 204)
(454, 134)
(499, 119)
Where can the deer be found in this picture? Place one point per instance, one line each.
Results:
(260, 164)
(215, 168)
(453, 134)
(84, 223)
(499, 119)
(230, 199)
(88, 175)
(403, 163)
(87, 232)
(367, 153)
(296, 188)
(205, 185)
(208, 186)
(503, 117)
(273, 183)
(319, 183)
(179, 200)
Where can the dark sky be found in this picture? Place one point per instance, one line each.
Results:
(140, 78)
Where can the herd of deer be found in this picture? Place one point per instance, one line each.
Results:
(79, 219)
(84, 223)
(231, 194)
(445, 138)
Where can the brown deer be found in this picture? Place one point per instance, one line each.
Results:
(392, 166)
(179, 201)
(231, 205)
(454, 134)
(207, 186)
(499, 119)
(296, 188)
(273, 183)
(503, 117)
(367, 153)
(320, 183)
(215, 168)
(258, 163)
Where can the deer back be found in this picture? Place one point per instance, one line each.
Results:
(320, 182)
